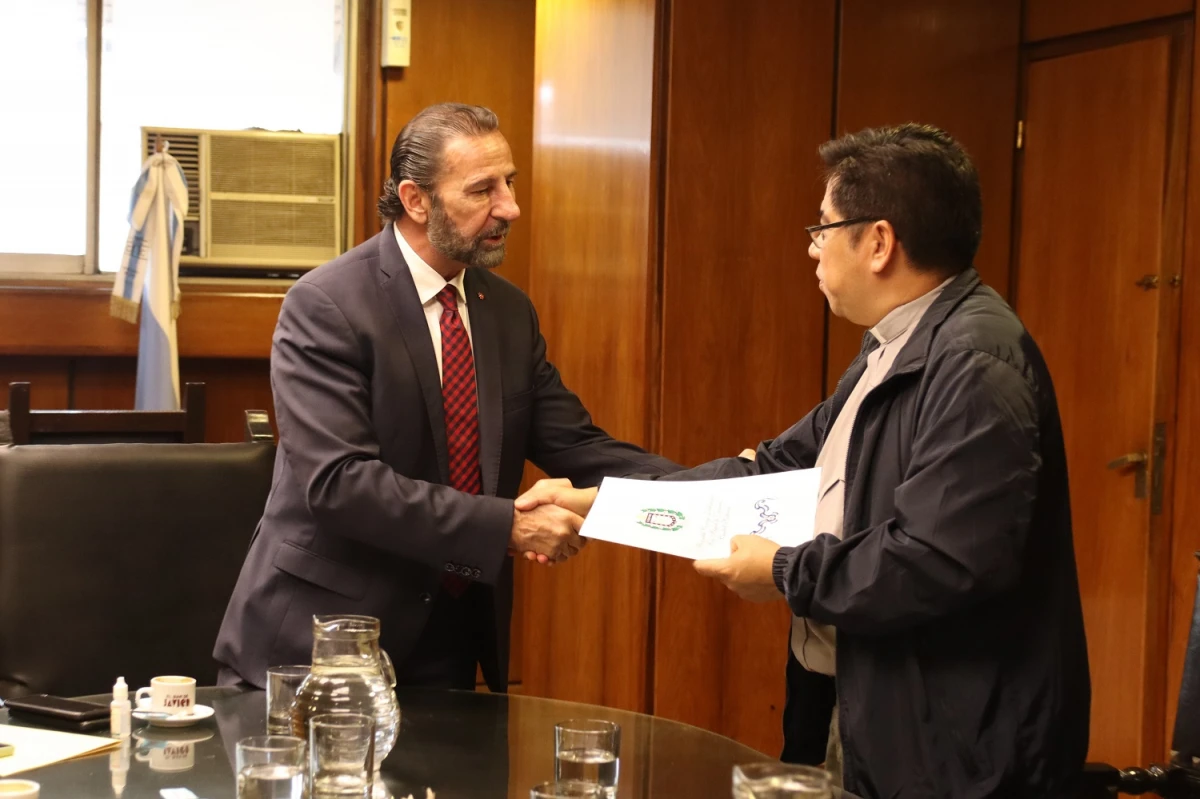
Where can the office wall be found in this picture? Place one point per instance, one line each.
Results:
(593, 278)
(943, 63)
(742, 318)
(667, 151)
(739, 330)
(1049, 19)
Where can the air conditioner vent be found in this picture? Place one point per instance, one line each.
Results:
(281, 224)
(263, 199)
(184, 148)
(273, 166)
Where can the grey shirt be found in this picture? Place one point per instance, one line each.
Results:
(815, 644)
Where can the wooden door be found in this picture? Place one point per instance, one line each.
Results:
(1093, 229)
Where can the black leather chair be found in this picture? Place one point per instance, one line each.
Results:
(119, 559)
(1180, 778)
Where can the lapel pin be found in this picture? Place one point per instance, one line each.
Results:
(480, 295)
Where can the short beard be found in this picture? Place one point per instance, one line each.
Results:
(446, 239)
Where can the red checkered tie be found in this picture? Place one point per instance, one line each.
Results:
(460, 408)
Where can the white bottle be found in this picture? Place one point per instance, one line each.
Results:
(120, 710)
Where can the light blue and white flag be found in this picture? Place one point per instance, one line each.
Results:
(149, 279)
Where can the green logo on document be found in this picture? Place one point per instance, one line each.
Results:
(661, 518)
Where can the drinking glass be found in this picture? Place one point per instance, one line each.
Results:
(341, 756)
(780, 781)
(270, 767)
(282, 684)
(588, 750)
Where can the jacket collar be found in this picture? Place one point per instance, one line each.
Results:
(916, 352)
(396, 282)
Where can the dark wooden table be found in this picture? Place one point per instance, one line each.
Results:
(460, 744)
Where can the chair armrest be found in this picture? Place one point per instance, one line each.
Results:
(258, 428)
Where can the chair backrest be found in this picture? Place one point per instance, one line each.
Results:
(27, 426)
(119, 559)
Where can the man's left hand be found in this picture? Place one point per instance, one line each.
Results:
(747, 571)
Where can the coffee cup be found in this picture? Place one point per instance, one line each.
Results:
(172, 694)
(19, 789)
(169, 756)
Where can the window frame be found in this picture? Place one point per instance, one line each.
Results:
(41, 265)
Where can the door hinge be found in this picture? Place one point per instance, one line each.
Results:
(1159, 458)
(1020, 134)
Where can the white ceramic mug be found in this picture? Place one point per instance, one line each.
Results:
(170, 694)
(169, 756)
(19, 789)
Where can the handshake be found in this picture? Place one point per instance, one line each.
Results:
(547, 519)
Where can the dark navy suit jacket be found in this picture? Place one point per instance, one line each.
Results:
(360, 518)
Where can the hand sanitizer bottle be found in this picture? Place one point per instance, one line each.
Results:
(120, 710)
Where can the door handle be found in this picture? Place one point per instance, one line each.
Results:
(1128, 459)
(1137, 460)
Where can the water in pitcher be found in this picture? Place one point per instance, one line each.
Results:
(350, 674)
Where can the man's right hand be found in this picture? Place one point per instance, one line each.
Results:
(547, 530)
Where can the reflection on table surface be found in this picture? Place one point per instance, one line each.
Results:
(460, 744)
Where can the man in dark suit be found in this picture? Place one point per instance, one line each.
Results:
(411, 385)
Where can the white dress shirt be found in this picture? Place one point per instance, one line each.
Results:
(429, 283)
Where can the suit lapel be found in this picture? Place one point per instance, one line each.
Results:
(397, 284)
(487, 377)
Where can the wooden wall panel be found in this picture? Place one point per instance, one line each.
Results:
(1048, 19)
(60, 337)
(108, 383)
(479, 52)
(946, 63)
(231, 387)
(586, 633)
(743, 319)
(224, 319)
(1183, 444)
(48, 378)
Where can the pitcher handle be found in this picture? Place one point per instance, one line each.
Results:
(389, 671)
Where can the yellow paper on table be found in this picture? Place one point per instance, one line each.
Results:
(34, 748)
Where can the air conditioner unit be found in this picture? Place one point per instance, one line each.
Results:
(257, 200)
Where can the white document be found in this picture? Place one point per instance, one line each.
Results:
(34, 748)
(697, 519)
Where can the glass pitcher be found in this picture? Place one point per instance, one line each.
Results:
(350, 674)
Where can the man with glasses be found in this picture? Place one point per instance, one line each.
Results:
(940, 593)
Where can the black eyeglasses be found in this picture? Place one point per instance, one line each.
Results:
(818, 231)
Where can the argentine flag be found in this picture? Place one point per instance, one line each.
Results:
(149, 279)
